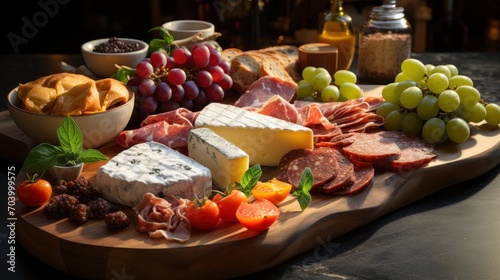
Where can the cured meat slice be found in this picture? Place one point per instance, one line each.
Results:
(174, 136)
(375, 148)
(180, 116)
(279, 108)
(263, 89)
(323, 165)
(312, 115)
(322, 134)
(281, 172)
(345, 175)
(364, 174)
(415, 153)
(338, 141)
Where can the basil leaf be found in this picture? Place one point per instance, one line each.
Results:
(91, 155)
(70, 137)
(250, 179)
(302, 191)
(123, 74)
(41, 158)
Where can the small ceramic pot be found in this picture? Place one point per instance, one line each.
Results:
(66, 173)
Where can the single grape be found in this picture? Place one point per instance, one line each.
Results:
(305, 90)
(448, 101)
(386, 107)
(321, 80)
(217, 73)
(350, 91)
(429, 68)
(201, 56)
(475, 113)
(460, 80)
(147, 87)
(215, 57)
(437, 83)
(469, 96)
(226, 83)
(401, 77)
(428, 107)
(191, 90)
(343, 76)
(144, 69)
(181, 55)
(388, 93)
(453, 70)
(320, 70)
(492, 114)
(308, 73)
(170, 63)
(158, 59)
(226, 66)
(400, 87)
(176, 76)
(202, 98)
(411, 124)
(214, 92)
(393, 121)
(168, 106)
(177, 93)
(134, 81)
(411, 97)
(204, 79)
(186, 103)
(148, 104)
(414, 69)
(443, 70)
(434, 130)
(163, 92)
(330, 94)
(457, 130)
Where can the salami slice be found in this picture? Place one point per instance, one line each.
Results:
(376, 148)
(364, 174)
(415, 153)
(282, 168)
(345, 175)
(338, 141)
(323, 165)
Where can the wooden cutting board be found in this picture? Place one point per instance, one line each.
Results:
(93, 251)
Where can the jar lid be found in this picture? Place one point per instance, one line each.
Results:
(387, 12)
(318, 55)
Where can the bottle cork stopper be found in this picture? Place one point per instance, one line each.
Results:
(318, 55)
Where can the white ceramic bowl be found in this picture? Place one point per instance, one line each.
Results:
(181, 29)
(103, 64)
(97, 129)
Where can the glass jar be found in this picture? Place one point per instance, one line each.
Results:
(336, 28)
(384, 42)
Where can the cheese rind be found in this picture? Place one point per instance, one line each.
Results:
(155, 168)
(265, 139)
(225, 160)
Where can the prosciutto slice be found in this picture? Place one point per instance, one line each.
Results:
(163, 217)
(180, 116)
(263, 89)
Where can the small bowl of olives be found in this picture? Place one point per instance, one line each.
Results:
(102, 56)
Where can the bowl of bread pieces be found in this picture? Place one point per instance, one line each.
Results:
(102, 56)
(100, 108)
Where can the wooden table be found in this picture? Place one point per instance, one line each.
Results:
(392, 246)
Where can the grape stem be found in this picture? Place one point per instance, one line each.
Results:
(196, 39)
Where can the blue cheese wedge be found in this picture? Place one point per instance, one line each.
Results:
(226, 161)
(155, 168)
(265, 139)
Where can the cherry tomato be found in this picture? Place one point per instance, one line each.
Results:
(34, 192)
(273, 190)
(258, 215)
(203, 214)
(229, 204)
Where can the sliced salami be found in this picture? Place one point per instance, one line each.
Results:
(282, 168)
(345, 175)
(364, 174)
(323, 165)
(337, 142)
(376, 148)
(415, 153)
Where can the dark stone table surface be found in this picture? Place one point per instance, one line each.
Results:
(451, 234)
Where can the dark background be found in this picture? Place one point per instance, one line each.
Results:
(61, 26)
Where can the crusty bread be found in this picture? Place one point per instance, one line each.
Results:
(244, 71)
(230, 53)
(289, 63)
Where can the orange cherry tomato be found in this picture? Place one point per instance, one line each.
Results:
(229, 204)
(273, 190)
(258, 215)
(35, 192)
(203, 214)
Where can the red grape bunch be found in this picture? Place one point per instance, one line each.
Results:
(189, 79)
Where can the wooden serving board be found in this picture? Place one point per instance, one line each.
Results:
(93, 251)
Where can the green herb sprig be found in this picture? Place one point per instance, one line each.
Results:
(70, 151)
(305, 185)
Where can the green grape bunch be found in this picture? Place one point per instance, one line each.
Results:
(434, 101)
(318, 85)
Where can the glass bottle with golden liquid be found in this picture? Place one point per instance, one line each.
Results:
(336, 28)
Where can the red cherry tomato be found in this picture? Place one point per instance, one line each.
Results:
(229, 204)
(202, 214)
(258, 215)
(34, 193)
